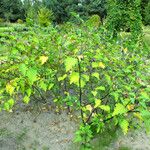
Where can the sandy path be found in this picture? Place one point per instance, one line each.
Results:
(55, 132)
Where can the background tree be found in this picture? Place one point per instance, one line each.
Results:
(11, 10)
(147, 15)
(123, 16)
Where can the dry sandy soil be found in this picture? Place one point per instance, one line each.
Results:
(20, 131)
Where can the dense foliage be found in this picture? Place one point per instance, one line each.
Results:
(11, 10)
(103, 79)
(124, 16)
(147, 14)
(97, 71)
(62, 9)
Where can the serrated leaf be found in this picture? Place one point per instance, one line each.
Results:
(6, 106)
(62, 78)
(105, 108)
(146, 117)
(86, 77)
(32, 75)
(70, 62)
(96, 75)
(43, 86)
(101, 88)
(89, 108)
(108, 78)
(29, 91)
(138, 115)
(101, 65)
(94, 64)
(130, 107)
(94, 93)
(124, 124)
(10, 89)
(26, 99)
(115, 95)
(11, 102)
(119, 109)
(50, 86)
(43, 59)
(23, 68)
(97, 103)
(74, 78)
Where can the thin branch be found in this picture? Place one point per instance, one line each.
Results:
(80, 91)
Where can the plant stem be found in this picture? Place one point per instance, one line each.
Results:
(80, 91)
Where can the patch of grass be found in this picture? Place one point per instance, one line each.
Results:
(21, 136)
(5, 133)
(146, 31)
(105, 139)
(124, 148)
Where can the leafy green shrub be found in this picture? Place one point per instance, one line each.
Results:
(45, 17)
(1, 20)
(20, 21)
(123, 16)
(93, 21)
(147, 15)
(31, 17)
(81, 70)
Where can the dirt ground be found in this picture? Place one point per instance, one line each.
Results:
(50, 131)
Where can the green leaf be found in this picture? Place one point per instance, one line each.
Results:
(32, 75)
(115, 95)
(86, 77)
(96, 75)
(23, 68)
(74, 78)
(50, 86)
(11, 102)
(97, 103)
(101, 88)
(124, 124)
(119, 109)
(29, 91)
(62, 78)
(70, 62)
(105, 108)
(94, 64)
(6, 106)
(43, 86)
(146, 117)
(98, 64)
(94, 93)
(26, 99)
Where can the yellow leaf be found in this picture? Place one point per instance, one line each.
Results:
(10, 89)
(70, 62)
(80, 57)
(97, 103)
(119, 109)
(89, 107)
(101, 65)
(138, 115)
(74, 78)
(43, 59)
(130, 107)
(125, 50)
